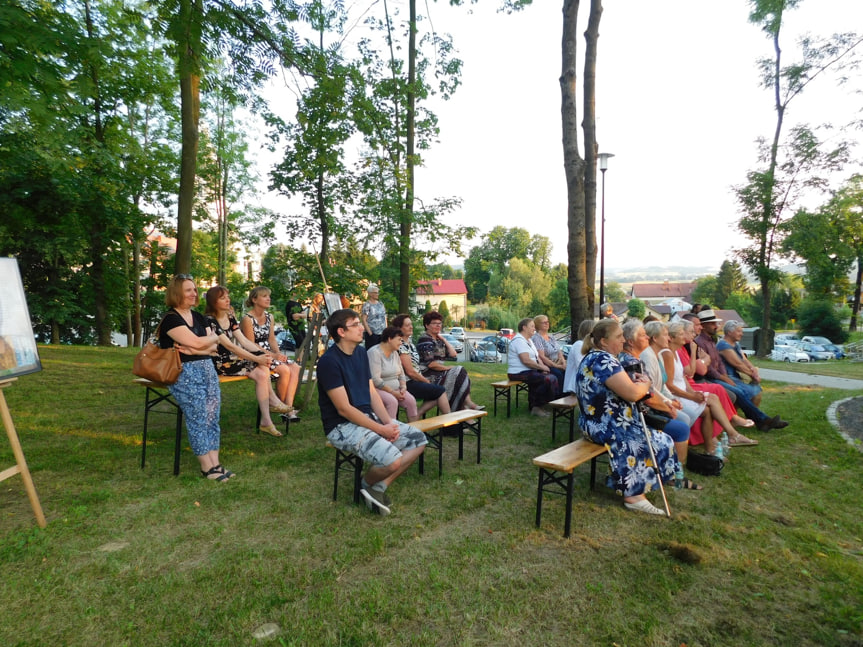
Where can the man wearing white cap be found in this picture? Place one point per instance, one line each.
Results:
(717, 374)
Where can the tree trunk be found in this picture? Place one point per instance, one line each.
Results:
(591, 148)
(410, 127)
(855, 309)
(190, 108)
(579, 304)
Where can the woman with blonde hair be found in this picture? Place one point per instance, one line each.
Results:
(257, 324)
(196, 391)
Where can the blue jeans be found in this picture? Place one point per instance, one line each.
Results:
(744, 401)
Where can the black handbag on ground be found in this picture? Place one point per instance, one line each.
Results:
(704, 464)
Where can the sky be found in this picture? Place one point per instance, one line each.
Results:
(678, 104)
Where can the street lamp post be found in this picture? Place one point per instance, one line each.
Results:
(603, 166)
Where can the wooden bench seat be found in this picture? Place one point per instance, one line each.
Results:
(556, 473)
(469, 421)
(503, 389)
(465, 422)
(158, 392)
(565, 408)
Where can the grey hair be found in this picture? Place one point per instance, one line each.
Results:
(730, 325)
(688, 325)
(630, 329)
(654, 328)
(675, 327)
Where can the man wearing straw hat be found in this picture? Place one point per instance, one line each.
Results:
(717, 374)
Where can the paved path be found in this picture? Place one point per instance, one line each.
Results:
(811, 380)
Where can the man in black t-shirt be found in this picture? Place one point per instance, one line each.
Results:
(354, 417)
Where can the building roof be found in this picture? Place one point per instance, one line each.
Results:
(442, 286)
(665, 290)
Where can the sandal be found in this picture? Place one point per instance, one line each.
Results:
(686, 484)
(271, 429)
(643, 505)
(746, 423)
(216, 473)
(280, 408)
(742, 441)
(227, 473)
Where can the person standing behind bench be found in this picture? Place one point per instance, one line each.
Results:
(196, 391)
(374, 317)
(354, 417)
(525, 365)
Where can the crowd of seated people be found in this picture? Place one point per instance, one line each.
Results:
(695, 384)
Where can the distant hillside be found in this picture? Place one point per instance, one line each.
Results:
(656, 273)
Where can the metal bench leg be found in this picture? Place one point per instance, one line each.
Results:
(539, 497)
(177, 440)
(570, 484)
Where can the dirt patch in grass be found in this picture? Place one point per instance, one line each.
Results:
(850, 416)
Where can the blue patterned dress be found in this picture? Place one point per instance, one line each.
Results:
(608, 419)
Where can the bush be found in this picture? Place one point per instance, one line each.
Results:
(820, 318)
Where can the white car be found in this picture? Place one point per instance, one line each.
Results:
(457, 332)
(788, 354)
(786, 339)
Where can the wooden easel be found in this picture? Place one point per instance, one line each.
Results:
(21, 467)
(308, 356)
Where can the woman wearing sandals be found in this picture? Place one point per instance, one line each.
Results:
(240, 357)
(257, 324)
(606, 395)
(196, 391)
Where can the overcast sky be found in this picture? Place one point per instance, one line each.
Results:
(678, 104)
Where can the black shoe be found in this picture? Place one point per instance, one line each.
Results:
(765, 425)
(778, 423)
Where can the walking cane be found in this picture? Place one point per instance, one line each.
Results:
(653, 457)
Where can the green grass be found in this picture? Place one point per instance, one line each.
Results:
(139, 557)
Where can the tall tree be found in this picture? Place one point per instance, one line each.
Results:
(729, 280)
(771, 191)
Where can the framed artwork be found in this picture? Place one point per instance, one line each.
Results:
(18, 353)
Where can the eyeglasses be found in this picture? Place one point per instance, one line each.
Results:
(436, 322)
(356, 324)
(185, 277)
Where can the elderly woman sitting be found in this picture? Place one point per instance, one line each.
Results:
(660, 412)
(606, 397)
(434, 350)
(525, 365)
(389, 377)
(548, 348)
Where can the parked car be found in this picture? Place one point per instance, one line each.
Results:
(455, 343)
(509, 333)
(457, 332)
(785, 339)
(486, 351)
(837, 350)
(502, 342)
(286, 341)
(783, 353)
(815, 351)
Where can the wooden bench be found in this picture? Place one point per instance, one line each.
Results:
(556, 473)
(469, 421)
(565, 408)
(503, 389)
(433, 428)
(157, 393)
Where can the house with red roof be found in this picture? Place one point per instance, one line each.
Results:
(453, 291)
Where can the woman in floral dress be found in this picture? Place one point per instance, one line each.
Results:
(608, 417)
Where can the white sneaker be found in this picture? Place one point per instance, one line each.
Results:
(375, 501)
(539, 412)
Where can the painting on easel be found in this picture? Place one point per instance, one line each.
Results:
(18, 353)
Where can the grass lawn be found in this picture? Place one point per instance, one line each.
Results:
(770, 553)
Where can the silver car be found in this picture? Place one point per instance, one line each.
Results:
(455, 343)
